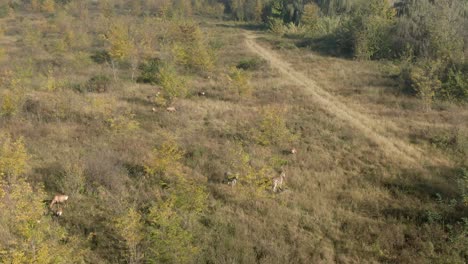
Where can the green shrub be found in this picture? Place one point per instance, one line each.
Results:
(366, 32)
(276, 26)
(156, 72)
(463, 185)
(101, 56)
(272, 129)
(455, 85)
(325, 26)
(191, 50)
(149, 70)
(240, 82)
(251, 64)
(422, 80)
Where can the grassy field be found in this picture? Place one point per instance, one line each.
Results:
(377, 178)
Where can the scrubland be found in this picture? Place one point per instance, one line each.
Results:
(85, 88)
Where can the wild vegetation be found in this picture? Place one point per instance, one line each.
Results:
(144, 112)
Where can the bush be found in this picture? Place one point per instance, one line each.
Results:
(98, 83)
(124, 123)
(422, 80)
(191, 49)
(164, 158)
(149, 70)
(240, 81)
(156, 72)
(276, 26)
(101, 57)
(366, 32)
(251, 64)
(10, 103)
(432, 79)
(272, 129)
(326, 26)
(455, 85)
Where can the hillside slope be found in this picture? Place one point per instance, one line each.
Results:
(145, 118)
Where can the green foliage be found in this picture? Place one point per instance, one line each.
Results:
(272, 129)
(252, 64)
(12, 98)
(455, 85)
(255, 180)
(119, 41)
(170, 241)
(433, 29)
(130, 227)
(422, 80)
(164, 159)
(149, 71)
(28, 234)
(366, 33)
(124, 123)
(240, 82)
(276, 26)
(13, 157)
(156, 72)
(311, 15)
(190, 48)
(325, 26)
(172, 83)
(11, 103)
(246, 10)
(463, 185)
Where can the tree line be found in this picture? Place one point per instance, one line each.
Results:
(429, 38)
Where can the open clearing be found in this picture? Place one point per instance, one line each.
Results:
(373, 129)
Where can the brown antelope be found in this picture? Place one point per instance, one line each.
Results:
(171, 109)
(293, 151)
(278, 181)
(58, 199)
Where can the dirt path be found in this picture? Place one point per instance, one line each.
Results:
(393, 147)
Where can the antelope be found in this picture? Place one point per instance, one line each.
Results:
(278, 181)
(231, 179)
(58, 212)
(201, 93)
(58, 199)
(293, 151)
(171, 109)
(154, 109)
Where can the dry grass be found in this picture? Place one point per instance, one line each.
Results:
(349, 198)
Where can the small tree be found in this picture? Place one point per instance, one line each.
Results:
(120, 43)
(130, 228)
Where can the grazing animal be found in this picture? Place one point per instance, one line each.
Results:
(58, 212)
(58, 199)
(201, 93)
(153, 109)
(293, 151)
(278, 182)
(171, 109)
(232, 182)
(231, 179)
